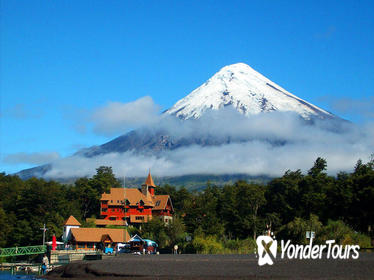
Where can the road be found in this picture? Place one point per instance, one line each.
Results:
(216, 267)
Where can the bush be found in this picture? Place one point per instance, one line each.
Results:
(342, 234)
(212, 245)
(207, 245)
(237, 246)
(247, 246)
(296, 229)
(233, 245)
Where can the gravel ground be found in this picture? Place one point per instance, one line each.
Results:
(215, 267)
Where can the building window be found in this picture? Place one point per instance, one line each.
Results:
(105, 209)
(139, 218)
(90, 245)
(81, 245)
(158, 202)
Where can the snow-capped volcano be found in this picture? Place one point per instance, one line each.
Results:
(247, 91)
(169, 140)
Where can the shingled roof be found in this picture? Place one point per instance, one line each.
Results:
(161, 201)
(117, 196)
(71, 221)
(96, 234)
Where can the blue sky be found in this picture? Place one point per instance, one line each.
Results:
(62, 60)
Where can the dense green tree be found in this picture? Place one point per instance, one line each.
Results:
(104, 179)
(4, 227)
(88, 197)
(296, 229)
(89, 190)
(249, 198)
(155, 230)
(319, 166)
(363, 197)
(313, 189)
(176, 231)
(201, 211)
(283, 196)
(229, 211)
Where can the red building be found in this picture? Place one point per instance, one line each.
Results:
(136, 205)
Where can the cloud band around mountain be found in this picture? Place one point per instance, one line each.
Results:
(275, 143)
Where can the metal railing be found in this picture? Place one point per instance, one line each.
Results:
(20, 251)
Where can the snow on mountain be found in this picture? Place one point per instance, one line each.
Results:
(246, 90)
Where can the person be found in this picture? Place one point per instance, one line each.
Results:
(44, 268)
(45, 262)
(175, 249)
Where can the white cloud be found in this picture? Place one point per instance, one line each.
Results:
(31, 158)
(116, 117)
(277, 142)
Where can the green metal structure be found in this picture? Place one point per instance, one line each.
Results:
(21, 251)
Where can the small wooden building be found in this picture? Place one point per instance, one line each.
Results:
(97, 238)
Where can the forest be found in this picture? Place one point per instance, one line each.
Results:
(218, 219)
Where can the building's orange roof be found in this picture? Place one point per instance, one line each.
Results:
(117, 196)
(71, 221)
(135, 195)
(161, 201)
(102, 222)
(149, 181)
(96, 234)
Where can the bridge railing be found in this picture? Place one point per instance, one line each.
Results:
(20, 251)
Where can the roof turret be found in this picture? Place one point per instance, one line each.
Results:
(149, 181)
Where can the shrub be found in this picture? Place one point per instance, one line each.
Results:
(207, 245)
(342, 234)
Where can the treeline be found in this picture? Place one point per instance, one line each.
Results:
(217, 220)
(26, 205)
(339, 208)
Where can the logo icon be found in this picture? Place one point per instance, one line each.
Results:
(267, 250)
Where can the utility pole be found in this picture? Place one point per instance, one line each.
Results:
(44, 229)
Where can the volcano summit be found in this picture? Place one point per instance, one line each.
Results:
(245, 89)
